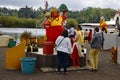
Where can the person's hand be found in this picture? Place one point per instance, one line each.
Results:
(89, 42)
(82, 55)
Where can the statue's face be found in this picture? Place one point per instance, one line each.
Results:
(55, 14)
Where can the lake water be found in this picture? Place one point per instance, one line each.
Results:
(16, 32)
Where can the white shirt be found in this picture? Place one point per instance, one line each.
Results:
(72, 31)
(64, 46)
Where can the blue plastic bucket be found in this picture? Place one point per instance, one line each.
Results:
(28, 65)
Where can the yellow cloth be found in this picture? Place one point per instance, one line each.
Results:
(80, 37)
(45, 37)
(94, 58)
(57, 21)
(31, 48)
(103, 24)
(82, 48)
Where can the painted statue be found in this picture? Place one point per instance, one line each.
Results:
(54, 23)
(104, 25)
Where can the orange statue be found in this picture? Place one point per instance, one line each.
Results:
(103, 24)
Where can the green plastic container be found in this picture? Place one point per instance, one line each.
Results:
(12, 43)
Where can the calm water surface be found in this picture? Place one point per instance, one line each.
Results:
(16, 32)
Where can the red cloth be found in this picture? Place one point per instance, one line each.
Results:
(53, 32)
(71, 39)
(75, 57)
(90, 36)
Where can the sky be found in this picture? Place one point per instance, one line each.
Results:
(71, 4)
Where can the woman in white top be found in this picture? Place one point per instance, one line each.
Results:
(63, 46)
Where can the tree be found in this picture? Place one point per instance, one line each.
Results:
(108, 13)
(71, 22)
(86, 15)
(63, 7)
(26, 12)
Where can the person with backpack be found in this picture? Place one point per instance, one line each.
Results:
(96, 45)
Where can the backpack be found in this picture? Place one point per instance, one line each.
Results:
(101, 37)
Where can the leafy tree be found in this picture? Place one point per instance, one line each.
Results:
(108, 13)
(9, 17)
(71, 22)
(63, 7)
(26, 12)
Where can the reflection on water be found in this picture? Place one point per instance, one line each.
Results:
(16, 32)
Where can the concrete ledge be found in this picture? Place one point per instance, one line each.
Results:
(50, 69)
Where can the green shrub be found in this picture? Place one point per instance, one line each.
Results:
(12, 21)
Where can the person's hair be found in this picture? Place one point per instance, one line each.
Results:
(97, 29)
(90, 29)
(86, 30)
(79, 27)
(104, 29)
(65, 33)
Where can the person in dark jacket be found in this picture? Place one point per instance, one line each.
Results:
(96, 45)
